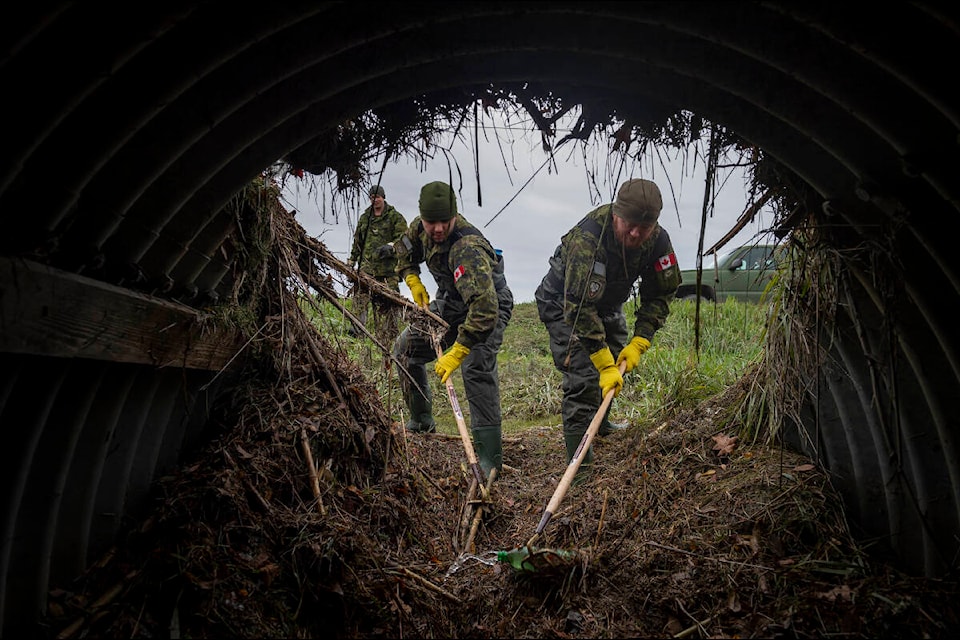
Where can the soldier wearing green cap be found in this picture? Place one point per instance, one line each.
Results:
(473, 298)
(580, 300)
(378, 228)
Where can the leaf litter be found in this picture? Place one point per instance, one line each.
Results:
(311, 513)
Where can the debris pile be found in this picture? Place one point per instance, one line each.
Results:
(311, 514)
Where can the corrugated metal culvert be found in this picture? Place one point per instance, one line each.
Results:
(144, 128)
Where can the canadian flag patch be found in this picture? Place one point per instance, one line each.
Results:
(667, 261)
(458, 272)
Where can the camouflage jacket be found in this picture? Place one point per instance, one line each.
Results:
(372, 233)
(465, 267)
(591, 276)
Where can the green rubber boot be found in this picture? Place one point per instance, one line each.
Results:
(421, 411)
(608, 427)
(417, 394)
(488, 443)
(422, 423)
(572, 440)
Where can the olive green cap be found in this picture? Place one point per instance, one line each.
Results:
(638, 201)
(377, 190)
(437, 202)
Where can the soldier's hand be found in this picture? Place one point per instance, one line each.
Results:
(610, 376)
(632, 352)
(449, 361)
(386, 251)
(417, 290)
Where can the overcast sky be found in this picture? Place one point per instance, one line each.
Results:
(539, 213)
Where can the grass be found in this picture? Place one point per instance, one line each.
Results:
(671, 375)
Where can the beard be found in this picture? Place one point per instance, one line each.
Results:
(629, 241)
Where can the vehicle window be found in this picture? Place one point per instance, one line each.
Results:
(767, 260)
(709, 262)
(724, 260)
(759, 258)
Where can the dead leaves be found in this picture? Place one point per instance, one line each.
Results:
(724, 444)
(842, 593)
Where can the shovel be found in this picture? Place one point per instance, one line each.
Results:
(564, 485)
(462, 424)
(458, 414)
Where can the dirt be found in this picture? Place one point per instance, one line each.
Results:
(678, 530)
(311, 514)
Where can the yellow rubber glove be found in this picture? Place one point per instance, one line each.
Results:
(632, 352)
(449, 361)
(610, 377)
(419, 292)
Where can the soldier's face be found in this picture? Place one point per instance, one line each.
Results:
(376, 200)
(631, 235)
(440, 230)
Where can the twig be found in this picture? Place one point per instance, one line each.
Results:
(248, 484)
(465, 518)
(479, 512)
(603, 512)
(263, 501)
(234, 357)
(108, 596)
(335, 387)
(312, 470)
(335, 301)
(703, 557)
(697, 625)
(363, 279)
(322, 363)
(430, 585)
(354, 320)
(432, 482)
(772, 503)
(748, 214)
(444, 436)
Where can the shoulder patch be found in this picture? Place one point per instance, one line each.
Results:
(593, 289)
(458, 272)
(667, 261)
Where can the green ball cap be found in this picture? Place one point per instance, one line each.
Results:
(437, 202)
(638, 201)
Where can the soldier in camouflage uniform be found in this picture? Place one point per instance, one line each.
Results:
(379, 226)
(473, 297)
(581, 298)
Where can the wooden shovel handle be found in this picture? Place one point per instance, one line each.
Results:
(574, 465)
(458, 414)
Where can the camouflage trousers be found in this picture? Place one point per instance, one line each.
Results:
(414, 348)
(384, 324)
(581, 380)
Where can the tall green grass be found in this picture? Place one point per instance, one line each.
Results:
(671, 374)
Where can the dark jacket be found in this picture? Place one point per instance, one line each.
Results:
(465, 267)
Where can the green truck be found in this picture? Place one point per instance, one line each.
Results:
(743, 273)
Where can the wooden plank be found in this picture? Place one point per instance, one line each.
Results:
(45, 311)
